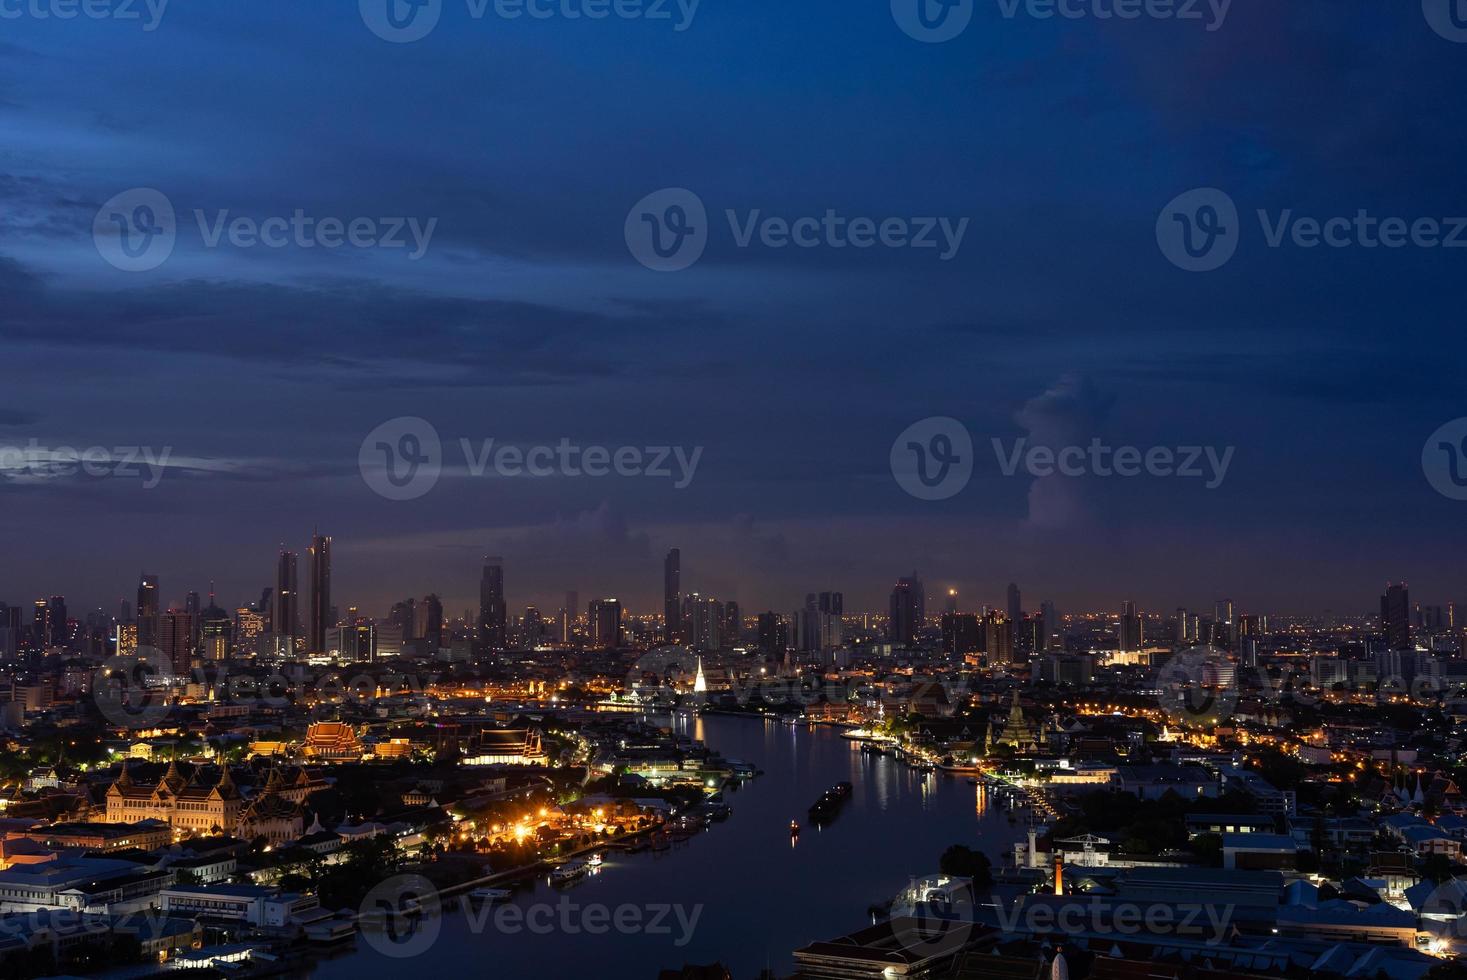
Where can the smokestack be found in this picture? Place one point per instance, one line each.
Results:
(1033, 850)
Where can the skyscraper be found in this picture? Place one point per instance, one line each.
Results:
(960, 634)
(605, 618)
(492, 611)
(672, 597)
(773, 634)
(215, 629)
(286, 622)
(1130, 635)
(430, 613)
(1395, 616)
(320, 592)
(998, 637)
(148, 611)
(1016, 605)
(175, 640)
(907, 611)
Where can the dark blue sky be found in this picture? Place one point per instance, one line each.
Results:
(528, 320)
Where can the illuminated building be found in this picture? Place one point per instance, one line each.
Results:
(672, 597)
(506, 747)
(181, 803)
(605, 621)
(908, 609)
(287, 612)
(492, 610)
(320, 598)
(333, 741)
(148, 608)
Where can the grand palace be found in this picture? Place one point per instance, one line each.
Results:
(191, 807)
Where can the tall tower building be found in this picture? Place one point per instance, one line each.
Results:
(1016, 605)
(175, 640)
(605, 621)
(1130, 635)
(1395, 616)
(907, 611)
(216, 630)
(493, 614)
(672, 597)
(430, 613)
(287, 622)
(320, 592)
(148, 611)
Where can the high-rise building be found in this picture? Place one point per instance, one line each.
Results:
(1395, 616)
(42, 626)
(60, 620)
(773, 634)
(493, 614)
(353, 643)
(1224, 627)
(148, 609)
(998, 637)
(703, 622)
(430, 614)
(605, 620)
(1015, 603)
(532, 630)
(320, 599)
(215, 629)
(672, 597)
(733, 624)
(1130, 635)
(952, 602)
(832, 620)
(1053, 633)
(175, 640)
(908, 609)
(960, 634)
(287, 621)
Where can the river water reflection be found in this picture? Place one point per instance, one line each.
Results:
(756, 896)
